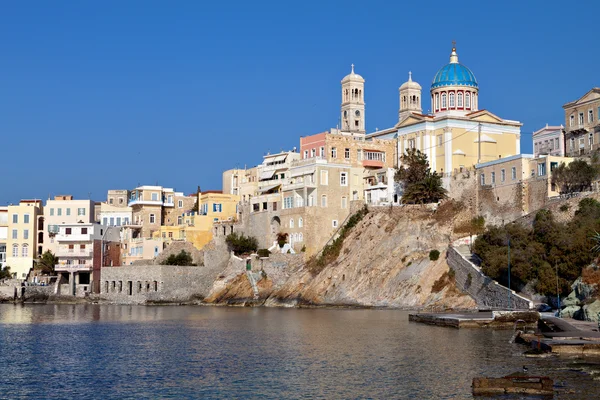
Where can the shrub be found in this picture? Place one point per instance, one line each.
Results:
(434, 255)
(303, 249)
(241, 244)
(183, 258)
(263, 252)
(282, 239)
(564, 208)
(5, 272)
(451, 273)
(469, 279)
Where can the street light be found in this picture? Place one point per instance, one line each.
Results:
(557, 290)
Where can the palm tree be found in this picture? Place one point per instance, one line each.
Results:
(46, 262)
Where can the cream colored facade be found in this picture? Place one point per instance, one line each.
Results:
(457, 135)
(23, 239)
(241, 182)
(64, 210)
(549, 141)
(582, 124)
(3, 235)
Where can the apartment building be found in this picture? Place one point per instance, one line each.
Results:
(82, 249)
(241, 182)
(25, 236)
(61, 210)
(582, 124)
(549, 141)
(3, 235)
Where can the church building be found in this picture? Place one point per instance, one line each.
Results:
(457, 134)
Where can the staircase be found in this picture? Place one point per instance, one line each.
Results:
(252, 280)
(465, 251)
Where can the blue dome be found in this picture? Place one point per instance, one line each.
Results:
(454, 74)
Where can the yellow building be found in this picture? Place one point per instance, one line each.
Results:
(457, 134)
(196, 227)
(24, 222)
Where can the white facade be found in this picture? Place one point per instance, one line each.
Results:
(64, 210)
(114, 215)
(380, 187)
(549, 141)
(3, 235)
(75, 244)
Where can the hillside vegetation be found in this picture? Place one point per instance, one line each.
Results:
(540, 252)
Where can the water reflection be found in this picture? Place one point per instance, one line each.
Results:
(91, 351)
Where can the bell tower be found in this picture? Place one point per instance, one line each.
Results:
(353, 103)
(410, 98)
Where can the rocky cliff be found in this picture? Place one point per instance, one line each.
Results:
(383, 262)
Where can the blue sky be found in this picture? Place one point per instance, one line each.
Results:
(112, 94)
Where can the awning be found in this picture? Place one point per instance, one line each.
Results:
(301, 172)
(266, 175)
(281, 157)
(269, 188)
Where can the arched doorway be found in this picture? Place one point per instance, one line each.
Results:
(275, 228)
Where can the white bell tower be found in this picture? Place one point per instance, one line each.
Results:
(353, 103)
(410, 98)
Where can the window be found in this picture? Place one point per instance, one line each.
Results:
(105, 221)
(322, 151)
(590, 116)
(572, 143)
(324, 178)
(451, 100)
(467, 100)
(25, 234)
(305, 154)
(15, 218)
(152, 218)
(580, 118)
(59, 211)
(300, 222)
(313, 152)
(343, 179)
(180, 203)
(170, 199)
(15, 252)
(112, 221)
(26, 218)
(493, 176)
(359, 155)
(154, 196)
(333, 152)
(217, 207)
(344, 202)
(482, 179)
(84, 231)
(460, 100)
(118, 221)
(110, 201)
(571, 120)
(179, 220)
(68, 211)
(324, 200)
(411, 143)
(556, 144)
(25, 250)
(334, 223)
(67, 231)
(291, 222)
(300, 237)
(81, 211)
(347, 154)
(443, 100)
(541, 169)
(440, 140)
(15, 234)
(288, 202)
(437, 101)
(502, 175)
(514, 173)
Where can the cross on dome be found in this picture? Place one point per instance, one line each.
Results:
(410, 76)
(352, 68)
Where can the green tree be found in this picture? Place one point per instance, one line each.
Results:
(574, 177)
(241, 244)
(183, 259)
(46, 262)
(5, 272)
(420, 184)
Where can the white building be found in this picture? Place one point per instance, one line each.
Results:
(549, 141)
(3, 235)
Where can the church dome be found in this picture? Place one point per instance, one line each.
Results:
(353, 76)
(454, 74)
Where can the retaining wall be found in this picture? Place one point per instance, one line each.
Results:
(485, 291)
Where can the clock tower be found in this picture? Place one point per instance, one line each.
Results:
(353, 103)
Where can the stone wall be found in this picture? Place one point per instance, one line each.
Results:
(175, 247)
(155, 284)
(488, 293)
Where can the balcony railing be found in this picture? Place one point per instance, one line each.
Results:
(76, 253)
(73, 267)
(308, 161)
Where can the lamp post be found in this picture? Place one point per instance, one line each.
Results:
(557, 290)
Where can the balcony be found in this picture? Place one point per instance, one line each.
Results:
(299, 185)
(75, 253)
(308, 161)
(73, 267)
(142, 202)
(74, 238)
(373, 164)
